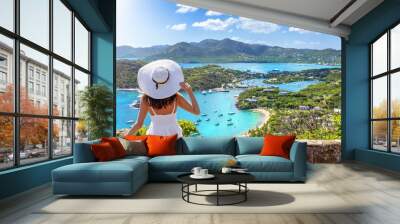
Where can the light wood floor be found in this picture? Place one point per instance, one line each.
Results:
(377, 188)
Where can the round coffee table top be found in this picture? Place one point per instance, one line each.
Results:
(220, 178)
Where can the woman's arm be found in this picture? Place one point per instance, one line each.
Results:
(194, 106)
(142, 115)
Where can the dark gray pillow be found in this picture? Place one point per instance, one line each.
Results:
(134, 147)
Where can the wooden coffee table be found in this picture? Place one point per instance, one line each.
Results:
(238, 179)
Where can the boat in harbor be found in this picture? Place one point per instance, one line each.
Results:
(230, 119)
(210, 91)
(230, 124)
(216, 124)
(208, 119)
(198, 120)
(130, 121)
(135, 104)
(220, 115)
(231, 113)
(203, 115)
(203, 92)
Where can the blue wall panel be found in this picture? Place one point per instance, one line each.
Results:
(24, 178)
(357, 85)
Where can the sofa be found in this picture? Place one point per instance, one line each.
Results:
(125, 176)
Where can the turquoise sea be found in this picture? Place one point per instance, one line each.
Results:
(212, 105)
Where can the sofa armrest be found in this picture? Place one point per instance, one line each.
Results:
(83, 152)
(298, 155)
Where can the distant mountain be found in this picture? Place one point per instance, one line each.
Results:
(140, 52)
(228, 50)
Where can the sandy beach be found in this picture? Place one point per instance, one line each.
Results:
(265, 113)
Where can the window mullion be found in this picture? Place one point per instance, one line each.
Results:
(73, 81)
(389, 104)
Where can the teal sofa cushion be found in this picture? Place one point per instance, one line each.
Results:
(247, 145)
(185, 163)
(206, 145)
(83, 152)
(257, 163)
(111, 171)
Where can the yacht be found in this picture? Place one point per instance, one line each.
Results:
(203, 92)
(231, 113)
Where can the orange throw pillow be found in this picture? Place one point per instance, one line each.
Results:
(161, 145)
(103, 152)
(116, 145)
(136, 138)
(277, 145)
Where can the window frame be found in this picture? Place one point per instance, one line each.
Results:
(16, 114)
(388, 74)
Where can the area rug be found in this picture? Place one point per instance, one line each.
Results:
(166, 198)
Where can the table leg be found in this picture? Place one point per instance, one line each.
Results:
(195, 188)
(217, 194)
(245, 193)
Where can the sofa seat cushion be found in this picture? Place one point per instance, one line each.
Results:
(206, 145)
(257, 163)
(113, 171)
(185, 163)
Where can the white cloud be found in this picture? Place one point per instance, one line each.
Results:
(213, 13)
(185, 9)
(216, 24)
(299, 30)
(257, 26)
(177, 27)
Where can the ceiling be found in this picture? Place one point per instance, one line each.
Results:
(325, 16)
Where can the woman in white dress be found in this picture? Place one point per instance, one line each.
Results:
(160, 81)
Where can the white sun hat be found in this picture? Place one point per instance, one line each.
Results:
(160, 79)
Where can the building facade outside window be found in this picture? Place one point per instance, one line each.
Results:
(45, 131)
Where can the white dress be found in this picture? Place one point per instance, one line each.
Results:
(164, 124)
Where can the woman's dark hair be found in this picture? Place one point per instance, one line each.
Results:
(159, 103)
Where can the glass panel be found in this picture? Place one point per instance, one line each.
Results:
(6, 142)
(81, 81)
(7, 14)
(35, 21)
(395, 138)
(81, 45)
(379, 97)
(379, 55)
(81, 131)
(6, 74)
(34, 72)
(395, 47)
(62, 29)
(33, 140)
(395, 94)
(62, 138)
(62, 89)
(379, 135)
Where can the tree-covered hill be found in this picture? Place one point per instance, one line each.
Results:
(200, 78)
(325, 95)
(228, 50)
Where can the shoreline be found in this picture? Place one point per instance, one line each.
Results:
(265, 116)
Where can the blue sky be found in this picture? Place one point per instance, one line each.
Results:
(143, 23)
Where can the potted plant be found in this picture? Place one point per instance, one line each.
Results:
(97, 109)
